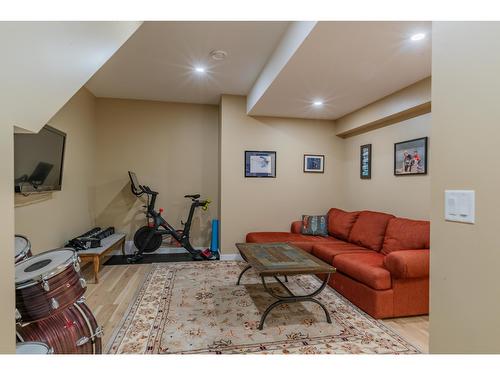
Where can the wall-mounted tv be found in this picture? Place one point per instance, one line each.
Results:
(38, 160)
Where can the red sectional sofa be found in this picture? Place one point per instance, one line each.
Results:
(382, 261)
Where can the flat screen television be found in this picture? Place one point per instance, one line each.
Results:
(38, 160)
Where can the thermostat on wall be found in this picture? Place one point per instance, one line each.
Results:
(459, 205)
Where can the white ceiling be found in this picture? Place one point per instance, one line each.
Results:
(46, 63)
(347, 65)
(157, 62)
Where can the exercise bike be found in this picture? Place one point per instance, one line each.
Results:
(150, 237)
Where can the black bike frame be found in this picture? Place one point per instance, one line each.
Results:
(159, 222)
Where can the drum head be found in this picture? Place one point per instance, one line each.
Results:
(46, 264)
(32, 347)
(21, 246)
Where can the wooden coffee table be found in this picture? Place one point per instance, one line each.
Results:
(282, 259)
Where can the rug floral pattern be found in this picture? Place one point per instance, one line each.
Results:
(198, 308)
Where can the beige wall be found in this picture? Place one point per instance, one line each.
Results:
(7, 298)
(465, 258)
(256, 204)
(407, 196)
(172, 147)
(51, 219)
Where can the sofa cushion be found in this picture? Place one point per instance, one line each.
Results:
(262, 237)
(406, 234)
(296, 226)
(326, 251)
(306, 246)
(369, 229)
(367, 268)
(340, 223)
(408, 264)
(315, 225)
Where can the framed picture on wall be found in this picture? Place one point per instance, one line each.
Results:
(314, 163)
(410, 157)
(260, 163)
(365, 162)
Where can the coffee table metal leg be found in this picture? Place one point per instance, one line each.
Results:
(328, 319)
(268, 310)
(241, 274)
(292, 298)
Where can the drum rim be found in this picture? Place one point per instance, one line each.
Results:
(26, 250)
(87, 322)
(54, 272)
(24, 343)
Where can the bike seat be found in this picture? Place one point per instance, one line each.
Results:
(192, 196)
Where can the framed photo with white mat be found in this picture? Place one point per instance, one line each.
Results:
(260, 164)
(314, 163)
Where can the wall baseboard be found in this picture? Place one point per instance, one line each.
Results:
(230, 257)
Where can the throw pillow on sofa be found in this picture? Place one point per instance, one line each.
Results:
(315, 225)
(369, 230)
(406, 234)
(340, 223)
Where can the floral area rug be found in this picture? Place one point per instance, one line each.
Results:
(196, 307)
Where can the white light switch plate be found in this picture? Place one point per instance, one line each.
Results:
(459, 205)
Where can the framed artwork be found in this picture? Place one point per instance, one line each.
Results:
(365, 162)
(314, 163)
(260, 163)
(410, 157)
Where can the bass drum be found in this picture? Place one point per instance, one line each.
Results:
(141, 236)
(22, 248)
(33, 347)
(72, 331)
(47, 283)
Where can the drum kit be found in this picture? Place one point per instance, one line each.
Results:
(51, 313)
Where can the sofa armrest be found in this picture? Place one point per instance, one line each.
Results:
(408, 264)
(296, 227)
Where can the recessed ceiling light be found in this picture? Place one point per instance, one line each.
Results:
(199, 69)
(218, 54)
(417, 37)
(317, 103)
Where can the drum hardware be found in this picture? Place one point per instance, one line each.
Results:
(77, 266)
(83, 282)
(82, 299)
(99, 332)
(45, 285)
(54, 304)
(18, 315)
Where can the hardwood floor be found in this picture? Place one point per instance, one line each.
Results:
(110, 299)
(415, 329)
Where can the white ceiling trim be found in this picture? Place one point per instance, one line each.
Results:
(294, 36)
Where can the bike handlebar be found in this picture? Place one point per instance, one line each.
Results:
(146, 189)
(204, 204)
